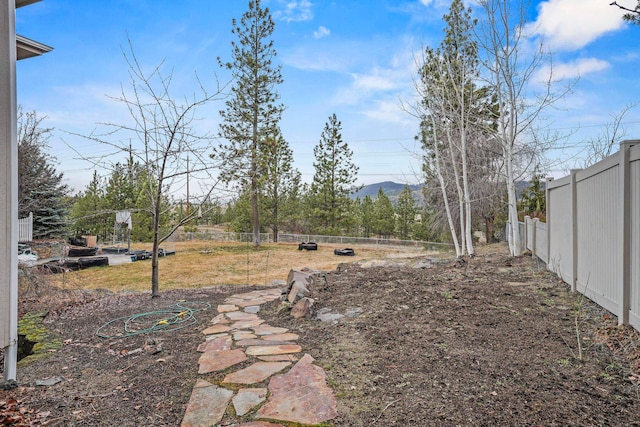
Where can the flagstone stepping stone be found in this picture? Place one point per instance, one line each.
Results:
(215, 336)
(265, 350)
(207, 405)
(245, 303)
(216, 329)
(212, 361)
(225, 308)
(279, 358)
(300, 396)
(281, 337)
(255, 373)
(269, 330)
(241, 315)
(220, 319)
(217, 344)
(248, 342)
(246, 324)
(243, 335)
(253, 309)
(247, 399)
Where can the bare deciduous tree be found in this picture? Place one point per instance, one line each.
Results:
(602, 145)
(160, 137)
(521, 99)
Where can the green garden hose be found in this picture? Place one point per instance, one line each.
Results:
(174, 317)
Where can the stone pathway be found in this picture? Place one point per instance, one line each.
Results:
(297, 391)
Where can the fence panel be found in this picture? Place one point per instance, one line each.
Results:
(597, 190)
(541, 240)
(634, 297)
(561, 245)
(25, 228)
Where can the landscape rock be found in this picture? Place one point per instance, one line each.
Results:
(207, 405)
(300, 396)
(265, 350)
(298, 282)
(328, 316)
(247, 399)
(216, 344)
(255, 373)
(212, 361)
(303, 308)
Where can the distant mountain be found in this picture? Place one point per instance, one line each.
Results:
(391, 189)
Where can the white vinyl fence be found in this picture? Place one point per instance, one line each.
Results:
(25, 228)
(592, 236)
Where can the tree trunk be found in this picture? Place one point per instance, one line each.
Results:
(514, 228)
(255, 218)
(155, 287)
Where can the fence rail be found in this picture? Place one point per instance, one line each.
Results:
(298, 238)
(593, 232)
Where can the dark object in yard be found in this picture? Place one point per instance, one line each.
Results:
(309, 246)
(93, 261)
(164, 252)
(75, 251)
(114, 250)
(78, 241)
(344, 252)
(138, 255)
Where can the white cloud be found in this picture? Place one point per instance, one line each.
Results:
(376, 80)
(571, 70)
(321, 32)
(295, 11)
(389, 111)
(572, 24)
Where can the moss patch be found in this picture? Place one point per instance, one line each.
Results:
(30, 326)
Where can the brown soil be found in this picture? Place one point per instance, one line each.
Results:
(487, 342)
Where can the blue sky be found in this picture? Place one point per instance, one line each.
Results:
(350, 57)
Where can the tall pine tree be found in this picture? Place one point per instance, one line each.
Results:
(406, 211)
(252, 115)
(333, 181)
(280, 183)
(384, 215)
(40, 187)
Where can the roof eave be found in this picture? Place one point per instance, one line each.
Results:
(27, 48)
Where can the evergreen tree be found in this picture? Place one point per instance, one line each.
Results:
(406, 211)
(333, 181)
(631, 15)
(251, 116)
(533, 198)
(281, 183)
(367, 216)
(88, 211)
(238, 214)
(40, 187)
(385, 220)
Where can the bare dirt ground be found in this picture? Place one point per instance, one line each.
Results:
(492, 341)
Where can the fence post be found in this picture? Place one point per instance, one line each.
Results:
(534, 245)
(547, 213)
(527, 218)
(574, 231)
(624, 233)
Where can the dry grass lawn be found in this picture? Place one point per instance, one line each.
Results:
(205, 263)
